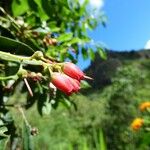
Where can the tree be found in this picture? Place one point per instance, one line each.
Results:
(36, 38)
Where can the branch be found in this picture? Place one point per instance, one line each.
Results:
(33, 60)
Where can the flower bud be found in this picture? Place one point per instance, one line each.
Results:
(73, 71)
(62, 82)
(75, 83)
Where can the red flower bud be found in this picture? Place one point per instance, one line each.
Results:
(73, 71)
(62, 82)
(75, 83)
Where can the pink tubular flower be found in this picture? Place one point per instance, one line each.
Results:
(75, 83)
(73, 71)
(62, 82)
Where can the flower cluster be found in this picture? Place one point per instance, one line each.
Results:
(64, 76)
(137, 123)
(68, 81)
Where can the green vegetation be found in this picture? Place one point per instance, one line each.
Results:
(111, 109)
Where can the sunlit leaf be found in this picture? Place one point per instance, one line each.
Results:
(65, 37)
(41, 12)
(102, 141)
(74, 40)
(19, 7)
(91, 53)
(102, 53)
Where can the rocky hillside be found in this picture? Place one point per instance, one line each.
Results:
(103, 70)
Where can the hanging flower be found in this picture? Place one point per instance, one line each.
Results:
(73, 71)
(144, 106)
(137, 123)
(62, 82)
(75, 83)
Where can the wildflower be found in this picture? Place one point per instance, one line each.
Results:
(62, 82)
(144, 106)
(73, 71)
(75, 83)
(137, 123)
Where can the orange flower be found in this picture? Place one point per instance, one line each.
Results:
(144, 106)
(137, 123)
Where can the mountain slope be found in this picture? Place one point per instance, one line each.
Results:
(103, 70)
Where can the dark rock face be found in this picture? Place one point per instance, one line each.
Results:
(103, 70)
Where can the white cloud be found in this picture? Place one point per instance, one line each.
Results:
(96, 4)
(147, 45)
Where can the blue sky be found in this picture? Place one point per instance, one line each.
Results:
(128, 26)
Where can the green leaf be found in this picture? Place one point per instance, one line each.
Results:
(74, 40)
(19, 7)
(53, 26)
(46, 109)
(27, 138)
(91, 53)
(42, 14)
(66, 103)
(44, 105)
(5, 32)
(84, 53)
(54, 29)
(102, 141)
(47, 7)
(33, 5)
(85, 144)
(102, 53)
(65, 37)
(86, 40)
(85, 85)
(13, 46)
(2, 130)
(103, 19)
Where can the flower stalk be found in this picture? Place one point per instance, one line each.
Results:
(65, 76)
(21, 59)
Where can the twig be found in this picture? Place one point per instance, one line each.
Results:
(24, 117)
(28, 87)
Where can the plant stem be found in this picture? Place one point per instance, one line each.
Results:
(11, 57)
(24, 117)
(21, 59)
(14, 77)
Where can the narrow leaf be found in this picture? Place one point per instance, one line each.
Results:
(102, 141)
(91, 53)
(102, 53)
(27, 138)
(13, 46)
